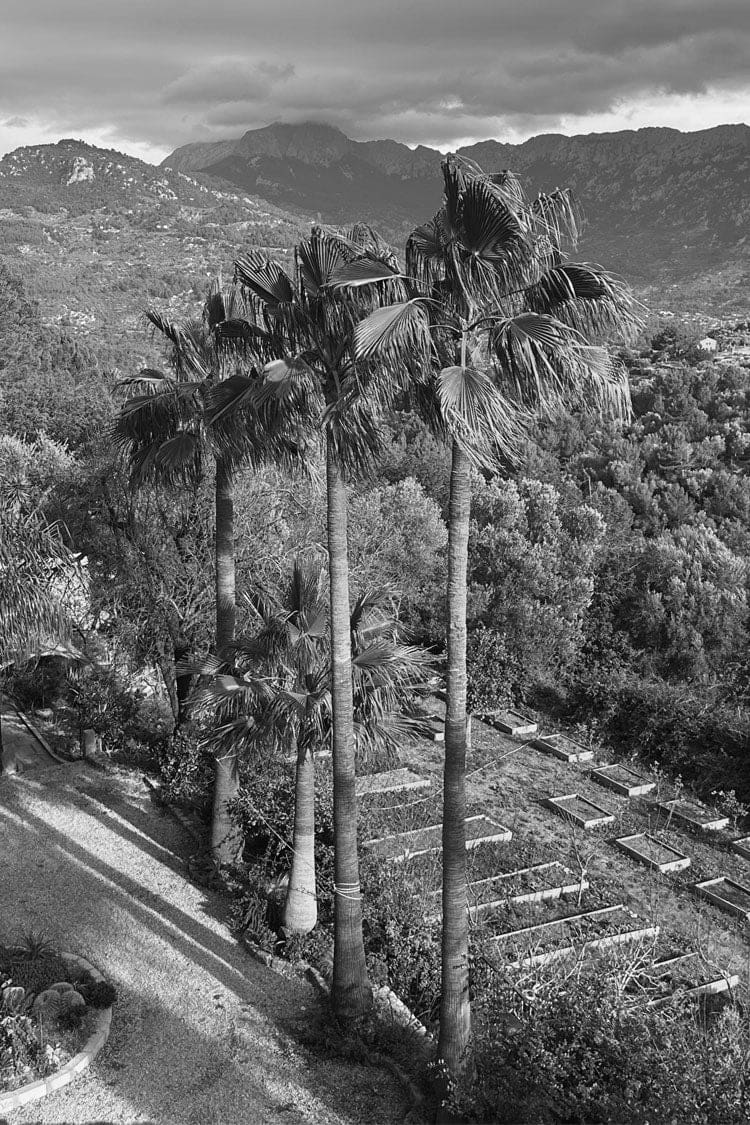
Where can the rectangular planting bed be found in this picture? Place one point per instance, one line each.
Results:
(511, 722)
(647, 849)
(742, 846)
(435, 729)
(626, 782)
(543, 882)
(390, 781)
(575, 935)
(581, 811)
(560, 746)
(421, 841)
(688, 812)
(724, 892)
(687, 975)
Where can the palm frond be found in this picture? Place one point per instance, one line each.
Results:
(265, 278)
(588, 299)
(393, 330)
(477, 416)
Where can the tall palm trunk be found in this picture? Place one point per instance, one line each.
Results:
(301, 906)
(455, 1011)
(351, 993)
(226, 839)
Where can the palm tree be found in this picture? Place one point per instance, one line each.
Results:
(504, 321)
(33, 561)
(308, 323)
(279, 687)
(167, 435)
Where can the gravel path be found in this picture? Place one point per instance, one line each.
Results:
(201, 1032)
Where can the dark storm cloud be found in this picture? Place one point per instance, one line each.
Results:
(170, 71)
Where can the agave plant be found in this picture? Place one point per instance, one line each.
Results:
(508, 330)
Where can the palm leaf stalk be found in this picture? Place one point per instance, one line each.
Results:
(278, 689)
(168, 435)
(509, 331)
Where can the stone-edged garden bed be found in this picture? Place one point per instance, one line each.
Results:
(390, 781)
(654, 853)
(575, 934)
(564, 748)
(510, 722)
(541, 883)
(726, 894)
(581, 811)
(693, 815)
(623, 780)
(420, 841)
(74, 1012)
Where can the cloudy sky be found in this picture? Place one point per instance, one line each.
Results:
(144, 76)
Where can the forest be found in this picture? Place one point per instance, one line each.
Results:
(364, 423)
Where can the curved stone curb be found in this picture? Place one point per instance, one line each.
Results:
(37, 734)
(386, 1003)
(91, 1048)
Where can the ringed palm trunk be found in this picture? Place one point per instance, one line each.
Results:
(301, 906)
(226, 839)
(351, 994)
(455, 1011)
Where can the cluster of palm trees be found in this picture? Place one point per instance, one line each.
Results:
(488, 327)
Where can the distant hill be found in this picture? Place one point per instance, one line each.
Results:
(97, 236)
(663, 208)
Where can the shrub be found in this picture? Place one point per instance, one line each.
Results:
(568, 1049)
(99, 994)
(187, 771)
(403, 948)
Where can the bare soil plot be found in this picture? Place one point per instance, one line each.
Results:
(578, 935)
(390, 781)
(564, 748)
(690, 812)
(420, 841)
(584, 813)
(727, 894)
(508, 779)
(654, 853)
(511, 722)
(624, 780)
(541, 883)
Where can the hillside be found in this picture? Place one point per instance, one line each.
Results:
(97, 236)
(664, 208)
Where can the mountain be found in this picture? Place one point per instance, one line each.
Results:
(663, 208)
(97, 236)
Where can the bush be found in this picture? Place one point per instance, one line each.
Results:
(705, 742)
(570, 1050)
(187, 771)
(403, 947)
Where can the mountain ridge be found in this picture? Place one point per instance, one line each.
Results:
(661, 205)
